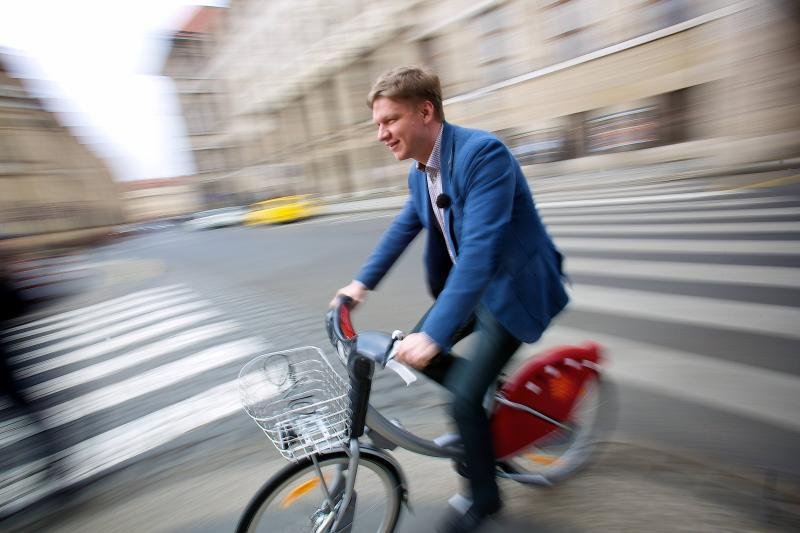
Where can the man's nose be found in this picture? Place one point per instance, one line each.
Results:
(383, 133)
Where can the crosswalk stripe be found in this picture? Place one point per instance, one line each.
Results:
(606, 192)
(142, 355)
(134, 438)
(747, 204)
(694, 310)
(674, 271)
(16, 429)
(622, 200)
(666, 229)
(109, 331)
(111, 345)
(20, 486)
(686, 246)
(102, 452)
(76, 316)
(151, 381)
(112, 318)
(720, 215)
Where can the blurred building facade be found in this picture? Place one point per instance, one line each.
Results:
(159, 198)
(276, 92)
(50, 183)
(200, 100)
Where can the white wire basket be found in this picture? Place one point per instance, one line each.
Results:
(298, 400)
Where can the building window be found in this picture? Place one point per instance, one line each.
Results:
(537, 146)
(493, 29)
(566, 24)
(623, 130)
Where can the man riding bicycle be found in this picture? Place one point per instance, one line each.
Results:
(490, 264)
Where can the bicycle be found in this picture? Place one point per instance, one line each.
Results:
(545, 421)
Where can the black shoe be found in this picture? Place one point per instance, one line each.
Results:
(456, 522)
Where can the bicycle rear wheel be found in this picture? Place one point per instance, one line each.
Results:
(297, 498)
(565, 451)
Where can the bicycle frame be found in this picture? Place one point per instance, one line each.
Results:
(373, 348)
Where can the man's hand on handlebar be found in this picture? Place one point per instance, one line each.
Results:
(355, 290)
(417, 350)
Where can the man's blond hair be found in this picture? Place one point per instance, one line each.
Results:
(409, 83)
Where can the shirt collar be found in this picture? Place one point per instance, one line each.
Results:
(434, 160)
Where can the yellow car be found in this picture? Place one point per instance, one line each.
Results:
(280, 210)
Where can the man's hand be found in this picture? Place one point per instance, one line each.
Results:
(355, 290)
(417, 350)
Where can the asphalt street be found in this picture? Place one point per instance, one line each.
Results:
(691, 287)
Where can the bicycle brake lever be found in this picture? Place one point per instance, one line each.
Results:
(402, 371)
(399, 368)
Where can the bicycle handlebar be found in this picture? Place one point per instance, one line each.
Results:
(378, 346)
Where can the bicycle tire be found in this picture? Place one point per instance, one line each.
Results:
(296, 478)
(558, 455)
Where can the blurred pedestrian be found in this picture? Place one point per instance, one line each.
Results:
(12, 306)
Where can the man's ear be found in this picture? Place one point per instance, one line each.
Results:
(427, 111)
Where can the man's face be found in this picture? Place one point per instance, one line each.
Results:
(402, 127)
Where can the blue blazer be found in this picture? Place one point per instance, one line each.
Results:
(504, 256)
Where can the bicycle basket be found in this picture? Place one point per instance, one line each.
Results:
(298, 400)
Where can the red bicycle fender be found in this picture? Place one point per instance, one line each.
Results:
(550, 383)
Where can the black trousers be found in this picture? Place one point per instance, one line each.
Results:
(468, 378)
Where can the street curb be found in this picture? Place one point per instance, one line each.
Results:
(389, 199)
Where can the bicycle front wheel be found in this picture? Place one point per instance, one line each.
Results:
(305, 496)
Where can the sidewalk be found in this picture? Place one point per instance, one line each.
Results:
(628, 488)
(545, 182)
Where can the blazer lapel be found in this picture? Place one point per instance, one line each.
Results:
(446, 159)
(446, 163)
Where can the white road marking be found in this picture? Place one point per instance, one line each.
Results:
(21, 485)
(151, 381)
(763, 276)
(130, 359)
(692, 310)
(734, 215)
(16, 429)
(110, 345)
(76, 316)
(102, 452)
(651, 198)
(108, 449)
(684, 246)
(666, 229)
(92, 324)
(109, 332)
(548, 209)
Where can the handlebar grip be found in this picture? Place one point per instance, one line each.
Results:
(338, 323)
(342, 324)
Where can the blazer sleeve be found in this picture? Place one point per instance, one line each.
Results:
(488, 203)
(393, 242)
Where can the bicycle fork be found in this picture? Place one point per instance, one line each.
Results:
(361, 370)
